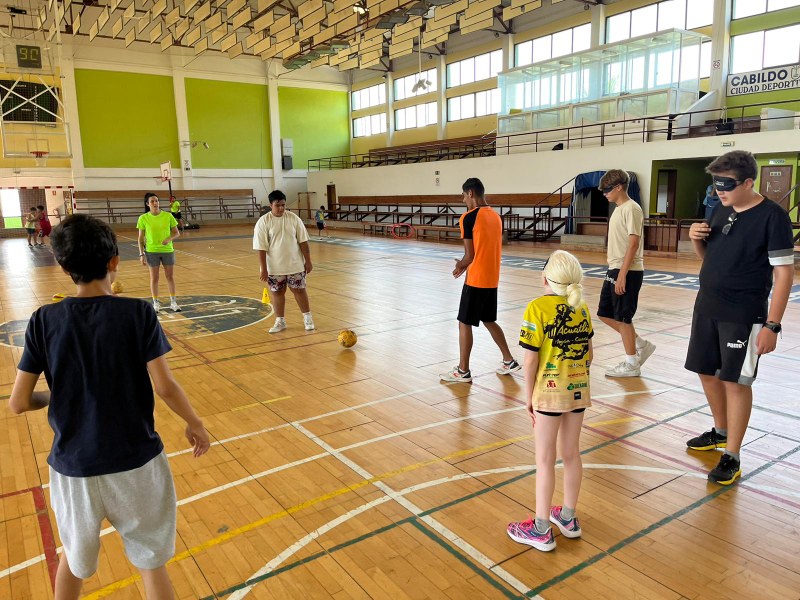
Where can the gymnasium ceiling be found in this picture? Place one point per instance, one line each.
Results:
(344, 34)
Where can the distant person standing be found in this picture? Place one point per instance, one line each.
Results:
(284, 259)
(619, 297)
(157, 229)
(32, 225)
(175, 209)
(319, 217)
(45, 227)
(482, 232)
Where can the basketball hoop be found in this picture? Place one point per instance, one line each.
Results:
(40, 157)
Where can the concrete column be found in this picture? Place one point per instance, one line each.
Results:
(389, 80)
(183, 171)
(274, 128)
(441, 99)
(70, 96)
(720, 47)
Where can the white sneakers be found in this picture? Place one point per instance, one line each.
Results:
(308, 322)
(280, 325)
(626, 369)
(156, 304)
(173, 306)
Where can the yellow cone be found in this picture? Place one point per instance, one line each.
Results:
(265, 297)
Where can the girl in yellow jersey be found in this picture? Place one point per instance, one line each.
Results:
(556, 335)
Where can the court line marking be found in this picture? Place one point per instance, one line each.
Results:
(219, 262)
(614, 421)
(259, 403)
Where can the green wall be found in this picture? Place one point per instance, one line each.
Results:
(233, 118)
(317, 121)
(127, 120)
(691, 181)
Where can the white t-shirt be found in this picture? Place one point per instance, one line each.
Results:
(281, 237)
(626, 220)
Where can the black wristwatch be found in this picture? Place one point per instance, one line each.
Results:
(773, 326)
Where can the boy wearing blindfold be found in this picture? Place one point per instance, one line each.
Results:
(746, 242)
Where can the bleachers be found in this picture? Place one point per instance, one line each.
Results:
(125, 206)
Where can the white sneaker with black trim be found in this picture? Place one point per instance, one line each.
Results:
(624, 369)
(279, 325)
(156, 304)
(457, 375)
(509, 367)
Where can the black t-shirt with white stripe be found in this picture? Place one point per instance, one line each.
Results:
(736, 275)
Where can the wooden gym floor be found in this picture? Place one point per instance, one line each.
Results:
(356, 474)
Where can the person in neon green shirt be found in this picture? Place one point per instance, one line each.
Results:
(175, 209)
(157, 229)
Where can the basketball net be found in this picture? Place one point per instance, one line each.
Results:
(40, 157)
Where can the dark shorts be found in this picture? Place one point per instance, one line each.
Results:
(477, 304)
(558, 414)
(30, 231)
(154, 259)
(178, 216)
(620, 308)
(723, 349)
(320, 226)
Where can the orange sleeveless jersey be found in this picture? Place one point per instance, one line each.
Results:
(484, 227)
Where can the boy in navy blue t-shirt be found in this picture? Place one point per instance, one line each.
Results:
(98, 352)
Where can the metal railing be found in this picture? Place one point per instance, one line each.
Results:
(637, 129)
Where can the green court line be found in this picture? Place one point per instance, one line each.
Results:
(412, 519)
(483, 573)
(651, 528)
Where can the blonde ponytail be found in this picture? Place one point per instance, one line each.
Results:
(564, 274)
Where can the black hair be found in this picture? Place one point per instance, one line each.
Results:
(739, 162)
(322, 208)
(83, 245)
(276, 195)
(147, 197)
(40, 207)
(33, 208)
(473, 184)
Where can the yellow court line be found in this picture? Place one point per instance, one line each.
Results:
(615, 421)
(260, 402)
(123, 583)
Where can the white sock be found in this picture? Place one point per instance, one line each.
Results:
(308, 314)
(632, 360)
(280, 319)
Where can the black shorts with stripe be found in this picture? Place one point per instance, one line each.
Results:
(723, 349)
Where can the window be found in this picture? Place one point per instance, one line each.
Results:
(479, 104)
(369, 125)
(748, 8)
(420, 115)
(371, 96)
(668, 14)
(12, 214)
(477, 68)
(550, 46)
(763, 49)
(403, 86)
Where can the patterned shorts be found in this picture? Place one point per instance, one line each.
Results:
(296, 281)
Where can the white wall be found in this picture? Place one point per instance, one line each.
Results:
(540, 172)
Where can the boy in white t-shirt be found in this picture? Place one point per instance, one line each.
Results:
(284, 258)
(619, 296)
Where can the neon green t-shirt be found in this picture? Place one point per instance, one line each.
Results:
(175, 207)
(156, 229)
(560, 334)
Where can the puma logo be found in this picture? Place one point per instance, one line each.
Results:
(738, 344)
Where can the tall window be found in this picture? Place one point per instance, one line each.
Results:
(420, 115)
(551, 46)
(478, 104)
(12, 214)
(748, 8)
(369, 125)
(403, 87)
(657, 17)
(477, 68)
(371, 96)
(763, 49)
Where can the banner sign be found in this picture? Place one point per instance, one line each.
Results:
(766, 80)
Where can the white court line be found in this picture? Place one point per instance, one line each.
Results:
(219, 262)
(390, 493)
(304, 541)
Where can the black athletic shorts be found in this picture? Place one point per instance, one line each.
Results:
(178, 216)
(723, 349)
(320, 225)
(620, 308)
(477, 304)
(558, 414)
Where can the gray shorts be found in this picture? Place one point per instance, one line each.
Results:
(139, 503)
(160, 258)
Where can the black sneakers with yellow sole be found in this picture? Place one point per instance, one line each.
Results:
(727, 471)
(710, 440)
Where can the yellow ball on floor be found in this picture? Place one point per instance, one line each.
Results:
(116, 287)
(58, 297)
(348, 338)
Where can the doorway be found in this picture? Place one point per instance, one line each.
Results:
(665, 194)
(776, 181)
(331, 193)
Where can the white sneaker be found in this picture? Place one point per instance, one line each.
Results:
(455, 374)
(645, 351)
(308, 321)
(156, 305)
(506, 368)
(280, 325)
(623, 369)
(173, 306)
